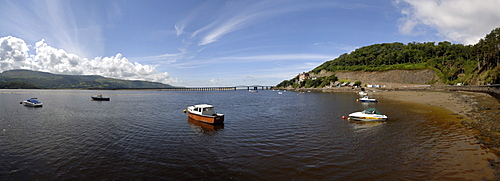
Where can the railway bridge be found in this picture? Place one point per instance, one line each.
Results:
(239, 87)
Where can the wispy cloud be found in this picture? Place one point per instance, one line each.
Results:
(462, 21)
(179, 28)
(159, 59)
(53, 21)
(236, 16)
(335, 45)
(254, 59)
(229, 26)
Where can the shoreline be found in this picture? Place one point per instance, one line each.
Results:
(475, 110)
(481, 110)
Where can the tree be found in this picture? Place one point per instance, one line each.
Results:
(357, 83)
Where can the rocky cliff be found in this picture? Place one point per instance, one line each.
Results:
(392, 78)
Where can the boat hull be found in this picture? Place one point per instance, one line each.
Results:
(370, 100)
(100, 98)
(218, 119)
(204, 126)
(367, 119)
(30, 104)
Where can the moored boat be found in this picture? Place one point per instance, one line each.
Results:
(204, 126)
(368, 115)
(205, 113)
(362, 93)
(367, 99)
(98, 97)
(33, 102)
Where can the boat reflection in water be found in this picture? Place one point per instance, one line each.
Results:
(358, 126)
(205, 127)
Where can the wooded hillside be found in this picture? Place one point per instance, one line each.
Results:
(454, 63)
(27, 79)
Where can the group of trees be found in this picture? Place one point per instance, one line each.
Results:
(453, 63)
(19, 85)
(449, 60)
(318, 82)
(27, 79)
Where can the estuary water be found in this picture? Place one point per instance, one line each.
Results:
(144, 135)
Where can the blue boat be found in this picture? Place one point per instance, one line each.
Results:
(367, 99)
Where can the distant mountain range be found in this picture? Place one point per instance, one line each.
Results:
(27, 79)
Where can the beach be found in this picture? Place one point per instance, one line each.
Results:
(475, 110)
(478, 111)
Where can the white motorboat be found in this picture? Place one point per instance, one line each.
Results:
(205, 113)
(368, 115)
(33, 102)
(367, 99)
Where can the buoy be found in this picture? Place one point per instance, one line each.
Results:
(357, 100)
(21, 102)
(343, 117)
(184, 111)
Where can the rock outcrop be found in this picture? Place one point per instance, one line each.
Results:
(392, 77)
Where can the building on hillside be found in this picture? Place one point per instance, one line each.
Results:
(303, 76)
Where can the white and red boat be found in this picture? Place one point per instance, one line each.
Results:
(205, 113)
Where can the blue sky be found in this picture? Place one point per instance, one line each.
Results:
(221, 42)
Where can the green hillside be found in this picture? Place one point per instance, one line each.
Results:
(33, 79)
(454, 63)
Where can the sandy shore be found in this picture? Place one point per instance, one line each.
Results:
(475, 110)
(480, 110)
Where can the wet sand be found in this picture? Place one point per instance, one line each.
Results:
(474, 110)
(478, 111)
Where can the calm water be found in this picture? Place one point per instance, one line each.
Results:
(144, 135)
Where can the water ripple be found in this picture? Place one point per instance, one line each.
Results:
(143, 135)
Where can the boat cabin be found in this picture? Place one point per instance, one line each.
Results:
(204, 109)
(372, 111)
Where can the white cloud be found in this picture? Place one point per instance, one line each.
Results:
(14, 55)
(463, 21)
(215, 81)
